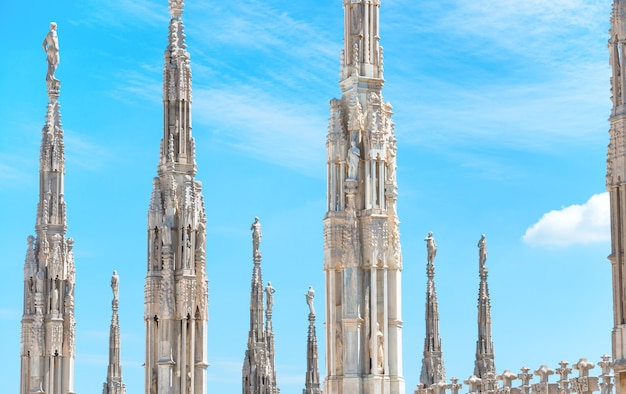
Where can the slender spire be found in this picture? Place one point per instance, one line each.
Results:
(484, 367)
(433, 371)
(47, 361)
(178, 145)
(362, 54)
(114, 384)
(258, 372)
(312, 379)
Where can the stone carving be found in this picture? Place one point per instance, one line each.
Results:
(339, 347)
(355, 117)
(166, 235)
(354, 155)
(115, 285)
(54, 305)
(269, 291)
(431, 247)
(380, 340)
(310, 295)
(51, 47)
(201, 237)
(392, 151)
(256, 235)
(482, 251)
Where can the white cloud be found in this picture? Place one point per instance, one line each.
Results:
(575, 224)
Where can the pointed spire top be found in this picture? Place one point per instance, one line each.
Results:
(177, 8)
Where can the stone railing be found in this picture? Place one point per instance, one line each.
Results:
(503, 383)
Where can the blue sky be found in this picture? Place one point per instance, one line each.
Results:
(501, 114)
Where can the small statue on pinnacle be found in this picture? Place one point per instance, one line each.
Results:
(51, 47)
(431, 247)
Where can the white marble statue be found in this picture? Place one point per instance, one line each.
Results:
(269, 291)
(431, 247)
(354, 155)
(115, 285)
(310, 295)
(51, 47)
(256, 234)
(482, 251)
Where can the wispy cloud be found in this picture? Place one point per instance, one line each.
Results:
(574, 224)
(85, 154)
(122, 14)
(284, 133)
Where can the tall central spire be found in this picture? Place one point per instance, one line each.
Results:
(362, 256)
(177, 146)
(48, 325)
(176, 290)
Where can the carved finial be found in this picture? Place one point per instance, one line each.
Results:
(544, 372)
(51, 47)
(507, 378)
(583, 366)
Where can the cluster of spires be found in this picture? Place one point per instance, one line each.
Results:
(49, 268)
(433, 373)
(258, 371)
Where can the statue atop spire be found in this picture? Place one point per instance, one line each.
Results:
(484, 366)
(431, 247)
(114, 384)
(312, 379)
(48, 323)
(51, 47)
(256, 235)
(258, 372)
(482, 252)
(433, 371)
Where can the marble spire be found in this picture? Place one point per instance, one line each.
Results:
(258, 372)
(616, 186)
(362, 252)
(176, 289)
(114, 384)
(484, 366)
(312, 379)
(433, 371)
(48, 324)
